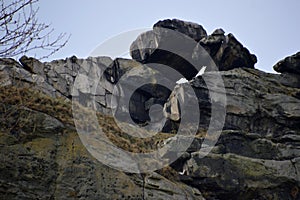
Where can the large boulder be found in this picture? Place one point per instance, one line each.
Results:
(171, 43)
(147, 43)
(227, 52)
(193, 30)
(166, 45)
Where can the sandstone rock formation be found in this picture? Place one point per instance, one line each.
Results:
(257, 155)
(158, 46)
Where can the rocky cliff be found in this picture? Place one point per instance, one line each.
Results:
(254, 145)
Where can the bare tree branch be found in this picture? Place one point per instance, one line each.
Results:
(21, 32)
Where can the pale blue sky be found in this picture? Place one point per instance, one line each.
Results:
(268, 28)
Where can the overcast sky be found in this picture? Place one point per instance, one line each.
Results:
(268, 28)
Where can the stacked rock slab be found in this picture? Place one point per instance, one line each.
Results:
(260, 137)
(91, 81)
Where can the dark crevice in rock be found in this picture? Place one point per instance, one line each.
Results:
(143, 186)
(175, 61)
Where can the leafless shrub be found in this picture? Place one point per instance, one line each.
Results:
(21, 32)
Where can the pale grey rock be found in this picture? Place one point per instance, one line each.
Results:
(32, 65)
(254, 102)
(5, 78)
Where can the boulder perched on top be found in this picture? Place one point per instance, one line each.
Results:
(170, 43)
(227, 52)
(185, 47)
(193, 30)
(290, 64)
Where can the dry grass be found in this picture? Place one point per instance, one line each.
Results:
(20, 98)
(14, 100)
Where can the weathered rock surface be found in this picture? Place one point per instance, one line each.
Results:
(92, 81)
(227, 52)
(159, 46)
(243, 177)
(290, 70)
(290, 64)
(57, 166)
(257, 155)
(260, 138)
(190, 29)
(42, 157)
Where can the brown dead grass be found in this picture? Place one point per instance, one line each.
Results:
(61, 109)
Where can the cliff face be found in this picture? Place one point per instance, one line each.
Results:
(256, 156)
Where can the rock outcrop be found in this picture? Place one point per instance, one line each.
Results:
(290, 70)
(158, 46)
(290, 64)
(227, 52)
(42, 156)
(260, 137)
(256, 154)
(90, 80)
(255, 102)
